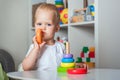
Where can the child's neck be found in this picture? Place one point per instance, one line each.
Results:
(51, 42)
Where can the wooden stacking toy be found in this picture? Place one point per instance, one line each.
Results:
(87, 56)
(67, 60)
(82, 70)
(59, 4)
(39, 36)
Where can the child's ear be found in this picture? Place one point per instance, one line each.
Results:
(57, 28)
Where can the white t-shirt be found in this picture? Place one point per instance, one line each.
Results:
(51, 56)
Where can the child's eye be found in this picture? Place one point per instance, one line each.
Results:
(49, 24)
(39, 24)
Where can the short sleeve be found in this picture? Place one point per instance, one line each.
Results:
(30, 48)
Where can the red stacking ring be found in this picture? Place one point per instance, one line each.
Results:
(77, 71)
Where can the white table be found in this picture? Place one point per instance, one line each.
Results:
(94, 74)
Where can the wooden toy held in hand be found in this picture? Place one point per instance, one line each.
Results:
(39, 36)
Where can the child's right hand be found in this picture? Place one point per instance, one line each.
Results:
(30, 60)
(38, 47)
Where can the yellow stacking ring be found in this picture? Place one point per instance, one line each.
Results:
(68, 65)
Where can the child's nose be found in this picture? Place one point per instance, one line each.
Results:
(43, 27)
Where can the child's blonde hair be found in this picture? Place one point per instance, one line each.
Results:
(49, 7)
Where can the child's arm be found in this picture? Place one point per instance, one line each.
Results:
(30, 61)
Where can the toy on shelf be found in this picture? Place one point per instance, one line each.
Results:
(87, 56)
(64, 16)
(67, 60)
(92, 9)
(60, 6)
(78, 15)
(62, 40)
(90, 13)
(86, 13)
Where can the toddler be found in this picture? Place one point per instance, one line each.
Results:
(48, 54)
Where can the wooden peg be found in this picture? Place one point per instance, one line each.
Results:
(67, 48)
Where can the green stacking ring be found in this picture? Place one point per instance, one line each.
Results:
(61, 69)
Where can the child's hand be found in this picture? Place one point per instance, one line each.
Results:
(30, 60)
(38, 47)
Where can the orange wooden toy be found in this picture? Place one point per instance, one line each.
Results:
(39, 36)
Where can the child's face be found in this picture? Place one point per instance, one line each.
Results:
(44, 21)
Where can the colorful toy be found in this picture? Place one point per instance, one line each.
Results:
(67, 65)
(79, 65)
(39, 36)
(87, 56)
(78, 70)
(67, 60)
(59, 4)
(64, 16)
(68, 55)
(92, 9)
(62, 69)
(79, 60)
(90, 12)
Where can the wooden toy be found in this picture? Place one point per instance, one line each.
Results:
(60, 6)
(64, 16)
(68, 55)
(85, 49)
(67, 60)
(92, 9)
(61, 69)
(91, 65)
(78, 70)
(79, 65)
(39, 36)
(92, 49)
(87, 56)
(68, 65)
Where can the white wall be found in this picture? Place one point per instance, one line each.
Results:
(37, 1)
(14, 23)
(109, 33)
